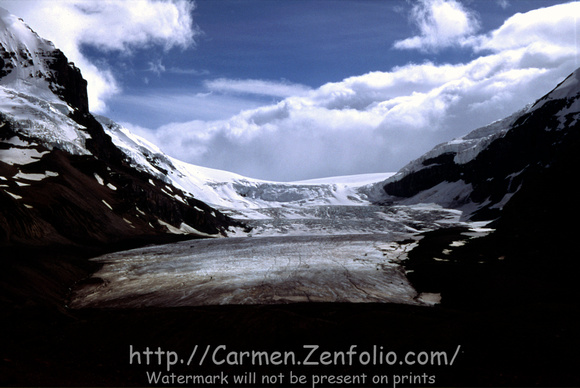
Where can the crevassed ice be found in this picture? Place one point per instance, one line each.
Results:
(43, 120)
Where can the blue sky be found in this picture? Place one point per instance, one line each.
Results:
(295, 42)
(298, 89)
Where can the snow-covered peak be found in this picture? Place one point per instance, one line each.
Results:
(464, 148)
(23, 57)
(467, 147)
(569, 89)
(39, 89)
(32, 65)
(228, 190)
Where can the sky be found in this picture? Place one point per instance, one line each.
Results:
(288, 90)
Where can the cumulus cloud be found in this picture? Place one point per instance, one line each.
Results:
(379, 121)
(553, 31)
(109, 25)
(441, 23)
(373, 122)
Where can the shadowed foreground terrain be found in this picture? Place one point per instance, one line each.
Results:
(514, 327)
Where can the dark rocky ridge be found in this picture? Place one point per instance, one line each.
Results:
(536, 140)
(58, 208)
(66, 73)
(516, 287)
(532, 253)
(70, 208)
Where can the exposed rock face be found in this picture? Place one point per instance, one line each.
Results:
(59, 198)
(63, 72)
(517, 151)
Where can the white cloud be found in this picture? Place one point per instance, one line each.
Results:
(378, 121)
(503, 3)
(374, 122)
(158, 105)
(257, 86)
(109, 25)
(543, 30)
(196, 72)
(156, 67)
(441, 23)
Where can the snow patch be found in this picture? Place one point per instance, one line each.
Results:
(171, 228)
(99, 179)
(20, 156)
(190, 230)
(35, 177)
(185, 229)
(13, 195)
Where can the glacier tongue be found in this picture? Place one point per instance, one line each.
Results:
(312, 241)
(348, 268)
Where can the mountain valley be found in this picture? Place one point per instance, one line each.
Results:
(107, 242)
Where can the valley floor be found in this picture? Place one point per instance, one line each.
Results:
(502, 322)
(500, 336)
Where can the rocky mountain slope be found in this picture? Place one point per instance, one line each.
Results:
(63, 182)
(520, 174)
(480, 172)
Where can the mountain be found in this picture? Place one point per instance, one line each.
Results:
(232, 192)
(74, 185)
(34, 66)
(480, 172)
(520, 174)
(63, 182)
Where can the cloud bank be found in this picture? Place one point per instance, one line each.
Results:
(109, 25)
(374, 122)
(379, 121)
